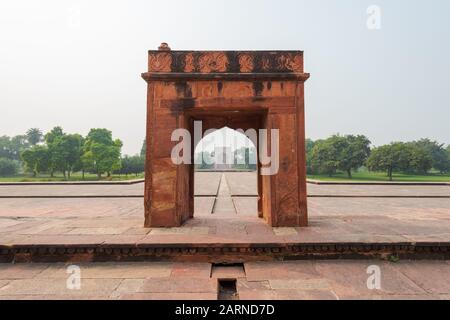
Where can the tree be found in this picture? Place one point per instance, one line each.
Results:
(392, 157)
(420, 160)
(83, 164)
(36, 159)
(102, 152)
(324, 157)
(439, 157)
(34, 136)
(309, 145)
(53, 134)
(5, 147)
(353, 152)
(66, 152)
(132, 165)
(8, 167)
(16, 146)
(55, 162)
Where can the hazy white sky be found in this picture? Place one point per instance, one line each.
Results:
(77, 64)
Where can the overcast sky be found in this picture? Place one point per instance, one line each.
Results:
(77, 64)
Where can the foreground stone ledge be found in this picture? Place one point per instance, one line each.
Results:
(222, 253)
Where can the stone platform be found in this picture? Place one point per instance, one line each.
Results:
(225, 228)
(290, 280)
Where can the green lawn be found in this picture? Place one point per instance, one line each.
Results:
(380, 176)
(73, 177)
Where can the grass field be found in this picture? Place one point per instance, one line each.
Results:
(73, 177)
(381, 176)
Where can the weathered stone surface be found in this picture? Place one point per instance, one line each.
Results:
(89, 287)
(191, 270)
(180, 285)
(21, 271)
(427, 274)
(349, 278)
(112, 270)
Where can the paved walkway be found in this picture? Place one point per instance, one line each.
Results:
(293, 280)
(40, 221)
(207, 184)
(222, 216)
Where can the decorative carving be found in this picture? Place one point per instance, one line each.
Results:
(160, 62)
(213, 62)
(189, 63)
(265, 63)
(290, 62)
(226, 61)
(246, 63)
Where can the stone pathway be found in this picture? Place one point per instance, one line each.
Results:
(294, 280)
(224, 203)
(40, 221)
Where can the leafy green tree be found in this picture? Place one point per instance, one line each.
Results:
(66, 152)
(5, 147)
(353, 152)
(53, 134)
(102, 152)
(36, 159)
(439, 156)
(390, 158)
(11, 148)
(132, 165)
(8, 167)
(83, 164)
(309, 145)
(325, 157)
(420, 160)
(55, 159)
(34, 136)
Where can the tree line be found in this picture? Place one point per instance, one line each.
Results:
(56, 151)
(348, 153)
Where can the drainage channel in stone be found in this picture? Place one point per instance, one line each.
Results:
(223, 203)
(227, 276)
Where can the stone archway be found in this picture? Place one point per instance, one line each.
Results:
(237, 89)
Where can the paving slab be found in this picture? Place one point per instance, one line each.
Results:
(350, 278)
(89, 287)
(206, 183)
(191, 270)
(179, 285)
(111, 270)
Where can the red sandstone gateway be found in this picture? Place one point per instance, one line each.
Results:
(240, 90)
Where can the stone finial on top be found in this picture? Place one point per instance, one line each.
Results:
(164, 47)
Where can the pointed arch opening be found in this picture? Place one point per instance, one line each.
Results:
(226, 173)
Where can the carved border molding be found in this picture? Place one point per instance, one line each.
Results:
(228, 252)
(226, 61)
